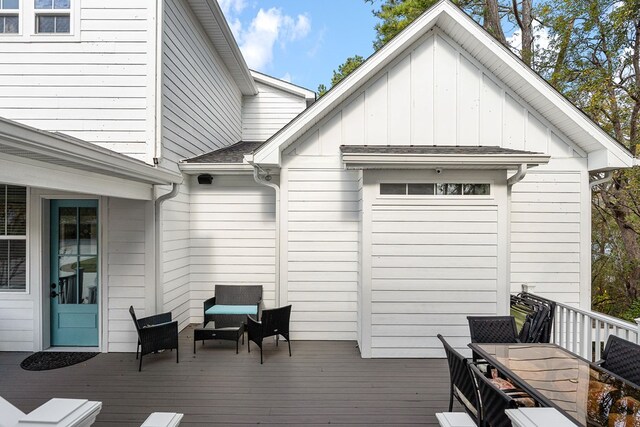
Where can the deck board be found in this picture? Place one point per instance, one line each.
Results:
(325, 382)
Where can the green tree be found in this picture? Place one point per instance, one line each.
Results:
(346, 68)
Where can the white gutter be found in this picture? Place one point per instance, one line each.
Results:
(519, 176)
(608, 176)
(276, 188)
(158, 245)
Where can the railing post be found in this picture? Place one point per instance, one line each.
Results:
(638, 331)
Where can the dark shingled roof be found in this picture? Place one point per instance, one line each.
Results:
(231, 154)
(429, 149)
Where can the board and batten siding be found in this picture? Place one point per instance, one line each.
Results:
(232, 238)
(548, 235)
(96, 89)
(269, 111)
(202, 105)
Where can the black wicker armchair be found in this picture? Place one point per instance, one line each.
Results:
(275, 322)
(622, 357)
(462, 384)
(493, 401)
(155, 333)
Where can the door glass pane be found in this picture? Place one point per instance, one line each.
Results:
(16, 211)
(68, 237)
(88, 274)
(17, 264)
(68, 279)
(88, 231)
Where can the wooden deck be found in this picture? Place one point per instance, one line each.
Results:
(325, 382)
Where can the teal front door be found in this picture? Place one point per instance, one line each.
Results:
(74, 273)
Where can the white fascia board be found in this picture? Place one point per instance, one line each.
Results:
(605, 160)
(269, 154)
(460, 161)
(284, 86)
(70, 149)
(216, 168)
(21, 171)
(528, 76)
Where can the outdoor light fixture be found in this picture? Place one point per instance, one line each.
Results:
(205, 179)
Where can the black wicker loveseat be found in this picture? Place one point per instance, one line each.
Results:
(232, 304)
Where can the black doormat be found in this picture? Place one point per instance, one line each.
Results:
(45, 360)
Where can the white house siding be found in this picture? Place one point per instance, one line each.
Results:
(232, 238)
(16, 322)
(126, 281)
(547, 238)
(95, 90)
(269, 111)
(202, 106)
(323, 220)
(176, 251)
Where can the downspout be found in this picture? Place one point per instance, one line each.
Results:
(608, 176)
(276, 188)
(158, 246)
(519, 176)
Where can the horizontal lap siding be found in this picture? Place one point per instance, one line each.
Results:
(232, 235)
(95, 90)
(323, 257)
(16, 322)
(546, 214)
(176, 256)
(201, 103)
(125, 265)
(268, 112)
(432, 266)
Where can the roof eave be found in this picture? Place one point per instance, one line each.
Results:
(424, 161)
(216, 168)
(66, 148)
(283, 85)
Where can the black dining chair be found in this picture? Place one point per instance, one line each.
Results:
(493, 329)
(462, 385)
(274, 322)
(622, 357)
(493, 401)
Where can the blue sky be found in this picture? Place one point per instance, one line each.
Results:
(302, 41)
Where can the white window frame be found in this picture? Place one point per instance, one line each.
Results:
(25, 237)
(28, 24)
(491, 184)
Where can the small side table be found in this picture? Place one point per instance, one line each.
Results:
(208, 331)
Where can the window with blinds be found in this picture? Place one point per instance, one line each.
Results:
(13, 238)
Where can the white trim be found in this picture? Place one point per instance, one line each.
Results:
(154, 89)
(220, 168)
(27, 32)
(67, 149)
(449, 161)
(103, 274)
(270, 153)
(283, 85)
(585, 242)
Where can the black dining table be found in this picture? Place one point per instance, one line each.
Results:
(586, 393)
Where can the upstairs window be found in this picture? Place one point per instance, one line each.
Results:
(13, 238)
(9, 16)
(53, 16)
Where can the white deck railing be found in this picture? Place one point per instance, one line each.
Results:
(586, 332)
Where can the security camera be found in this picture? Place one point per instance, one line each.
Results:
(438, 171)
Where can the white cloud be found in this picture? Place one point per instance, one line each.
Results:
(232, 6)
(258, 39)
(541, 38)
